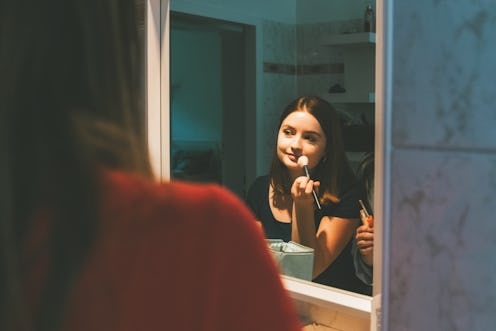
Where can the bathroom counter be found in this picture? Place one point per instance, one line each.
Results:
(329, 308)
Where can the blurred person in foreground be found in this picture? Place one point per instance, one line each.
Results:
(89, 240)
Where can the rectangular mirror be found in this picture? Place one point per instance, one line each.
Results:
(234, 67)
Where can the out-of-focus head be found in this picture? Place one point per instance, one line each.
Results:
(70, 105)
(71, 71)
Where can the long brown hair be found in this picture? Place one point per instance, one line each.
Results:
(334, 167)
(70, 105)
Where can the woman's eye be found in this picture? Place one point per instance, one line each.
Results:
(311, 139)
(286, 132)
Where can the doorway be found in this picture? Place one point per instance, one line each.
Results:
(211, 81)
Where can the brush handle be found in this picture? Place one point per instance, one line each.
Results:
(364, 208)
(305, 169)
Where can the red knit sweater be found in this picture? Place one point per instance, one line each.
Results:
(177, 256)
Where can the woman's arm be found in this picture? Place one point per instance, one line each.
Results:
(333, 234)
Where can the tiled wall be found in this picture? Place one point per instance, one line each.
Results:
(279, 83)
(443, 162)
(321, 66)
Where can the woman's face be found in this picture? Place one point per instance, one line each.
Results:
(300, 134)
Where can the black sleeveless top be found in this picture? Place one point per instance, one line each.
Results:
(341, 272)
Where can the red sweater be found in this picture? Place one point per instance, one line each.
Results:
(177, 256)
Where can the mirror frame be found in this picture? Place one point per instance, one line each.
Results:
(314, 298)
(157, 85)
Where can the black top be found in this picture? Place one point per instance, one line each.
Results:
(341, 272)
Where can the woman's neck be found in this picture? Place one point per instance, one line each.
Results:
(293, 174)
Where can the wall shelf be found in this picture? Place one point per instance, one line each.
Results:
(349, 39)
(358, 51)
(351, 98)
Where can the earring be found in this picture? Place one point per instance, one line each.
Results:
(324, 159)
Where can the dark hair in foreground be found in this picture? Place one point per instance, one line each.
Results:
(70, 105)
(334, 166)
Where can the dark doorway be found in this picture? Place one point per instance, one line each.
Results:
(210, 93)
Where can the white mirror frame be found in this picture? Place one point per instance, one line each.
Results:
(321, 304)
(157, 85)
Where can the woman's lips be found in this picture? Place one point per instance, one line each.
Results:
(293, 158)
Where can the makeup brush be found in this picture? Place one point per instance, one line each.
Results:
(365, 216)
(303, 162)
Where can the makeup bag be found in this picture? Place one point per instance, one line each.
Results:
(293, 259)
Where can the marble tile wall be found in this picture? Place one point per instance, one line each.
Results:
(443, 166)
(322, 67)
(279, 80)
(312, 53)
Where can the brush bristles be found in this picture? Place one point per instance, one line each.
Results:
(303, 161)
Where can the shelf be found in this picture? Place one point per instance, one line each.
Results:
(358, 52)
(349, 39)
(351, 98)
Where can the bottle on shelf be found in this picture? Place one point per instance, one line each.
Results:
(369, 19)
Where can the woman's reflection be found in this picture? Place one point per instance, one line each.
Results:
(283, 200)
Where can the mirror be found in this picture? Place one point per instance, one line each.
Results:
(234, 66)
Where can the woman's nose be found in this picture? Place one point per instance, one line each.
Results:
(296, 143)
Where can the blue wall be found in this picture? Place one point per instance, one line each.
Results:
(196, 82)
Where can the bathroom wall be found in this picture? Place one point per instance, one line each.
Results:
(320, 65)
(311, 11)
(272, 20)
(279, 81)
(240, 11)
(283, 27)
(443, 166)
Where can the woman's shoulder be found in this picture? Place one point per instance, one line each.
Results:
(351, 190)
(142, 198)
(158, 237)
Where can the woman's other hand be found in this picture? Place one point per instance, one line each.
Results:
(365, 243)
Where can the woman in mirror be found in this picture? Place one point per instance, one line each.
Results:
(283, 201)
(89, 240)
